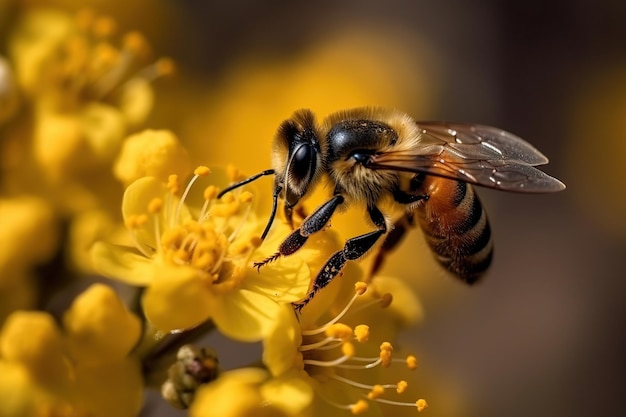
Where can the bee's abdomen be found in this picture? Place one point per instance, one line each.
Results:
(456, 228)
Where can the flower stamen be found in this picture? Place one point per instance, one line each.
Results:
(360, 288)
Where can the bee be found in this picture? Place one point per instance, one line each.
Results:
(383, 157)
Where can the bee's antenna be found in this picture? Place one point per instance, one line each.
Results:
(277, 191)
(246, 181)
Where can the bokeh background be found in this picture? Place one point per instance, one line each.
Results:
(544, 333)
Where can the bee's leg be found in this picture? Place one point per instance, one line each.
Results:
(395, 236)
(353, 249)
(313, 223)
(400, 227)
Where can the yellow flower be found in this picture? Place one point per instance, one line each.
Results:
(29, 234)
(33, 340)
(194, 256)
(99, 328)
(250, 392)
(86, 89)
(151, 153)
(82, 369)
(329, 368)
(341, 358)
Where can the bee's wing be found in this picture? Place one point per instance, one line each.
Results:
(481, 155)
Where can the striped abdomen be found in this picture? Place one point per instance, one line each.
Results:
(456, 227)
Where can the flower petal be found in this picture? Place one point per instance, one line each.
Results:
(280, 347)
(121, 263)
(244, 315)
(135, 203)
(291, 394)
(285, 280)
(176, 299)
(94, 316)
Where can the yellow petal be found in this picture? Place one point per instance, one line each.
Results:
(104, 128)
(280, 347)
(136, 101)
(291, 394)
(285, 280)
(135, 203)
(176, 299)
(122, 263)
(244, 315)
(233, 394)
(18, 395)
(99, 328)
(29, 232)
(33, 339)
(155, 153)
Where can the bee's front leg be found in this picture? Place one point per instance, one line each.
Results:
(313, 223)
(354, 248)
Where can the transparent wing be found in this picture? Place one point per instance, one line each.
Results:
(481, 155)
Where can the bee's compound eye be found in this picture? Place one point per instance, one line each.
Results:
(302, 161)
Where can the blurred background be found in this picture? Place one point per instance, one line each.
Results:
(543, 334)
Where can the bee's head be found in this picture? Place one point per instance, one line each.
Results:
(297, 156)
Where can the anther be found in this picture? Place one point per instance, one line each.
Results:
(155, 205)
(411, 362)
(202, 171)
(245, 197)
(359, 407)
(135, 43)
(386, 350)
(421, 404)
(376, 392)
(173, 185)
(401, 387)
(165, 66)
(339, 331)
(347, 349)
(362, 333)
(210, 192)
(360, 287)
(103, 27)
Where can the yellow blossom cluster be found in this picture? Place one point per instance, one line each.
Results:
(76, 369)
(118, 256)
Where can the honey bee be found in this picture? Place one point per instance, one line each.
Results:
(378, 156)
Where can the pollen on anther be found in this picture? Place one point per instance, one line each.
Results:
(202, 171)
(347, 349)
(386, 350)
(401, 386)
(377, 391)
(210, 192)
(103, 27)
(155, 205)
(359, 407)
(360, 287)
(246, 197)
(141, 219)
(411, 362)
(131, 222)
(339, 331)
(421, 404)
(173, 185)
(232, 173)
(136, 43)
(362, 333)
(165, 66)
